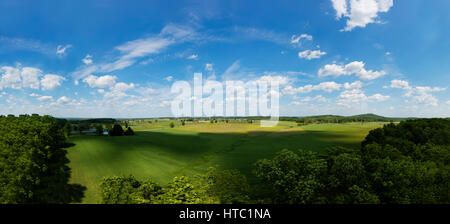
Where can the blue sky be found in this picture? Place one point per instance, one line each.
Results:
(120, 58)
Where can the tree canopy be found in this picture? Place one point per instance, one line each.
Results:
(33, 163)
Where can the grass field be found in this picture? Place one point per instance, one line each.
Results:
(162, 153)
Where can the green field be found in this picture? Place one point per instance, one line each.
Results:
(162, 153)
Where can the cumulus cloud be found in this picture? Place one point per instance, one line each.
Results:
(353, 68)
(62, 100)
(45, 98)
(420, 94)
(359, 13)
(100, 82)
(350, 98)
(27, 77)
(30, 77)
(308, 54)
(87, 60)
(51, 81)
(354, 85)
(122, 87)
(378, 97)
(401, 84)
(11, 78)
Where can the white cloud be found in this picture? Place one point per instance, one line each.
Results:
(45, 98)
(147, 91)
(117, 91)
(30, 77)
(122, 87)
(354, 85)
(61, 50)
(87, 60)
(308, 54)
(50, 81)
(350, 98)
(11, 78)
(83, 72)
(100, 82)
(340, 6)
(296, 39)
(169, 78)
(318, 98)
(209, 67)
(359, 13)
(132, 51)
(420, 94)
(399, 84)
(135, 49)
(324, 86)
(193, 57)
(62, 100)
(353, 68)
(378, 97)
(281, 80)
(260, 34)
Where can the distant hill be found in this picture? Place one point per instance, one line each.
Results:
(343, 119)
(92, 121)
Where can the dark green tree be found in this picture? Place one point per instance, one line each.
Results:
(229, 186)
(99, 130)
(129, 132)
(293, 177)
(33, 163)
(117, 130)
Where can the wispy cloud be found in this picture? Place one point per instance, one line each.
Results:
(15, 43)
(61, 50)
(131, 51)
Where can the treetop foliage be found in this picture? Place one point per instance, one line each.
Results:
(33, 163)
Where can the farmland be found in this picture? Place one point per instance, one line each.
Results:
(161, 152)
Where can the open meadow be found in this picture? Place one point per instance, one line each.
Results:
(161, 152)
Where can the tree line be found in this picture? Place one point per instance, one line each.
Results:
(341, 119)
